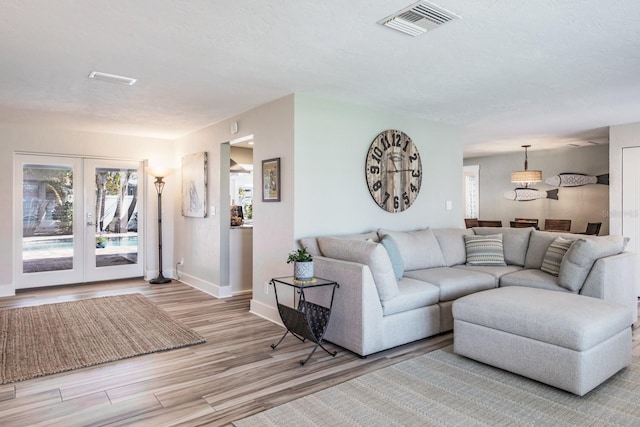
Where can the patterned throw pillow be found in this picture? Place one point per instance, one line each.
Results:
(484, 250)
(555, 253)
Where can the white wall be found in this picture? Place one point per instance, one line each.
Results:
(322, 147)
(620, 137)
(204, 242)
(65, 142)
(331, 143)
(589, 203)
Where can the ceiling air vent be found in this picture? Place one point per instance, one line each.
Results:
(418, 18)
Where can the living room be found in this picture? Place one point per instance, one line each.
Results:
(533, 89)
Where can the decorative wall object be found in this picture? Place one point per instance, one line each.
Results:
(570, 179)
(527, 194)
(393, 170)
(271, 180)
(194, 185)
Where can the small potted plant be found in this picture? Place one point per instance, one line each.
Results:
(302, 264)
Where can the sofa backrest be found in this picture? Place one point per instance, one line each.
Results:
(311, 243)
(372, 254)
(419, 248)
(539, 242)
(451, 241)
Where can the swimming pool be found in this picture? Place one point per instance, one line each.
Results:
(65, 242)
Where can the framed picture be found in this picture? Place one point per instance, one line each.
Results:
(271, 180)
(194, 185)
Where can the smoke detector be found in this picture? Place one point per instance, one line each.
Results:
(418, 18)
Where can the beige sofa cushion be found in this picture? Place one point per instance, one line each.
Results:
(454, 282)
(579, 259)
(532, 278)
(515, 241)
(413, 294)
(451, 241)
(539, 243)
(419, 248)
(311, 243)
(365, 252)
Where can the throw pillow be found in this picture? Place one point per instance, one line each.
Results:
(394, 255)
(514, 241)
(484, 250)
(555, 253)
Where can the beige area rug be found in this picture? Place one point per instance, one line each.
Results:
(442, 388)
(51, 338)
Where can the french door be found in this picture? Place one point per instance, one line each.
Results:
(76, 220)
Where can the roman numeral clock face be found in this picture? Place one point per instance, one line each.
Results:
(393, 170)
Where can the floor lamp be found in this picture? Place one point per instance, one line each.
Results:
(159, 183)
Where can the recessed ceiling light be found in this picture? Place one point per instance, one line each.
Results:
(113, 78)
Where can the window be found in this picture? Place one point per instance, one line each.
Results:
(471, 191)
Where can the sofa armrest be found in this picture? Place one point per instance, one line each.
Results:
(356, 317)
(613, 278)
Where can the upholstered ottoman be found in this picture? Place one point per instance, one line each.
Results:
(565, 340)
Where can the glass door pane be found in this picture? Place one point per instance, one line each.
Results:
(113, 214)
(47, 221)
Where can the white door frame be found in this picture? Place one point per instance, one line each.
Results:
(84, 249)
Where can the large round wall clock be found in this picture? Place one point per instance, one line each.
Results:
(393, 170)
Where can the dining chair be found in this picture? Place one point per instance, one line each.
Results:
(522, 224)
(593, 228)
(557, 225)
(471, 222)
(534, 220)
(489, 223)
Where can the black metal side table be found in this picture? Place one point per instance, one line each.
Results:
(307, 321)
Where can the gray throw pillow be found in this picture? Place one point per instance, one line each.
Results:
(484, 250)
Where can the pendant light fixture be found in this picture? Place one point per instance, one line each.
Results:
(526, 177)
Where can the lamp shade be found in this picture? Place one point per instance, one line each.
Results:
(159, 171)
(528, 176)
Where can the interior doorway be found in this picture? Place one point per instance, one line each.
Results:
(241, 197)
(76, 220)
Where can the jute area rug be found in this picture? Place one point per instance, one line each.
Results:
(51, 338)
(441, 388)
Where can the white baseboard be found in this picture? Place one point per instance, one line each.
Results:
(7, 290)
(206, 287)
(265, 311)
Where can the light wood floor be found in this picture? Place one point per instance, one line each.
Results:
(233, 375)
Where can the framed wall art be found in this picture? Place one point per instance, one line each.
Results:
(271, 180)
(194, 185)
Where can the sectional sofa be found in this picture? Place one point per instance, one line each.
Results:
(399, 286)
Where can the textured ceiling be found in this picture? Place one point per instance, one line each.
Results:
(509, 72)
